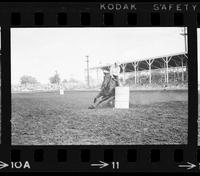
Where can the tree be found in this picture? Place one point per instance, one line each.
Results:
(64, 81)
(72, 80)
(55, 79)
(24, 80)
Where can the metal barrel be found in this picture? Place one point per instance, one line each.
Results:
(61, 91)
(122, 97)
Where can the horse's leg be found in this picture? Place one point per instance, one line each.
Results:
(98, 96)
(102, 100)
(112, 99)
(95, 100)
(111, 95)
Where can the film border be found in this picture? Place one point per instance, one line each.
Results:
(24, 17)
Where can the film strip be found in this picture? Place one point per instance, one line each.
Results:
(48, 126)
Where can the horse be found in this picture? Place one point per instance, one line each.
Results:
(107, 93)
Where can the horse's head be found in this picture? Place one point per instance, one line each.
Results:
(109, 84)
(106, 80)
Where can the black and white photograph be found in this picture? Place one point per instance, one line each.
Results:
(0, 85)
(99, 86)
(198, 53)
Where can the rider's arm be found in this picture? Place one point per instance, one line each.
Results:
(111, 71)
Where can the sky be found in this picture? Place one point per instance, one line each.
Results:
(39, 52)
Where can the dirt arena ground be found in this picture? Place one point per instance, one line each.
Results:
(0, 119)
(198, 118)
(154, 117)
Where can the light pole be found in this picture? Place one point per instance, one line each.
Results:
(185, 38)
(186, 50)
(88, 76)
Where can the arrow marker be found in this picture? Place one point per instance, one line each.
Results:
(188, 166)
(3, 165)
(101, 164)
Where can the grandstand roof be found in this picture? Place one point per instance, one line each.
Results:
(176, 60)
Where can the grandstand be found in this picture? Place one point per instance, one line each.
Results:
(166, 70)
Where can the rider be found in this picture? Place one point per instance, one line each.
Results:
(115, 71)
